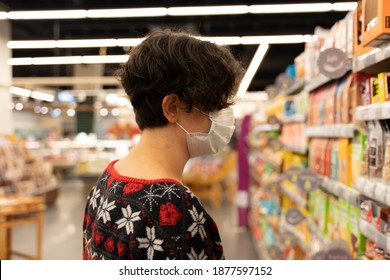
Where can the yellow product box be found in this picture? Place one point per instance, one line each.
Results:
(384, 85)
(376, 95)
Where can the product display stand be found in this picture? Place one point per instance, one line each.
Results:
(19, 210)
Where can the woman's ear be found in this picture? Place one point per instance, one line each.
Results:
(170, 105)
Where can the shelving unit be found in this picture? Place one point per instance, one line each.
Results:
(293, 195)
(331, 131)
(294, 119)
(373, 60)
(380, 111)
(373, 234)
(374, 190)
(340, 190)
(297, 149)
(297, 87)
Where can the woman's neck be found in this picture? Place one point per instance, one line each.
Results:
(159, 154)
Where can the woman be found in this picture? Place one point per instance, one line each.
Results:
(181, 89)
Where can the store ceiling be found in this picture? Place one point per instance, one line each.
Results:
(277, 58)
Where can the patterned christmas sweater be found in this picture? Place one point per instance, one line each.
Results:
(128, 218)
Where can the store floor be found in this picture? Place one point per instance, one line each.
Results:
(63, 222)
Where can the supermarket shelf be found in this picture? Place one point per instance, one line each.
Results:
(331, 131)
(297, 118)
(374, 190)
(373, 58)
(43, 190)
(340, 190)
(317, 82)
(297, 87)
(369, 231)
(296, 149)
(267, 127)
(380, 111)
(314, 230)
(294, 196)
(284, 227)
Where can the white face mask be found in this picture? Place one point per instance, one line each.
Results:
(222, 128)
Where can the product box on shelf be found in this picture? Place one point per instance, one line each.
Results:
(344, 227)
(357, 157)
(344, 166)
(384, 85)
(377, 96)
(376, 25)
(357, 240)
(359, 47)
(333, 218)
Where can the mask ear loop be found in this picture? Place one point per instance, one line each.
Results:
(182, 128)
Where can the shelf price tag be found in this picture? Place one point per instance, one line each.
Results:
(291, 174)
(308, 181)
(334, 63)
(294, 216)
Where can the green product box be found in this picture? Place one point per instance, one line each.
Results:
(357, 239)
(323, 205)
(344, 226)
(333, 218)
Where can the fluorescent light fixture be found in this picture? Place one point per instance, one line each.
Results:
(124, 13)
(222, 40)
(32, 44)
(59, 60)
(208, 10)
(54, 14)
(344, 6)
(130, 42)
(42, 96)
(290, 8)
(20, 91)
(94, 59)
(179, 11)
(282, 39)
(252, 69)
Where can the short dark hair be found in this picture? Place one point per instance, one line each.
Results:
(203, 75)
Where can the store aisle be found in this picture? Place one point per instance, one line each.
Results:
(63, 228)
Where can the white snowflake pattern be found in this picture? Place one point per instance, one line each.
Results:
(194, 256)
(197, 225)
(150, 242)
(128, 219)
(151, 195)
(115, 185)
(94, 198)
(170, 189)
(105, 210)
(189, 192)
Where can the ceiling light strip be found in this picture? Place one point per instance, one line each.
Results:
(179, 11)
(61, 60)
(129, 42)
(252, 69)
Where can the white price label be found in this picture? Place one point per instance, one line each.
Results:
(369, 188)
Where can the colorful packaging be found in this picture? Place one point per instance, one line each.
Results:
(386, 156)
(384, 85)
(344, 226)
(377, 96)
(376, 150)
(366, 92)
(357, 157)
(333, 218)
(357, 240)
(335, 162)
(344, 167)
